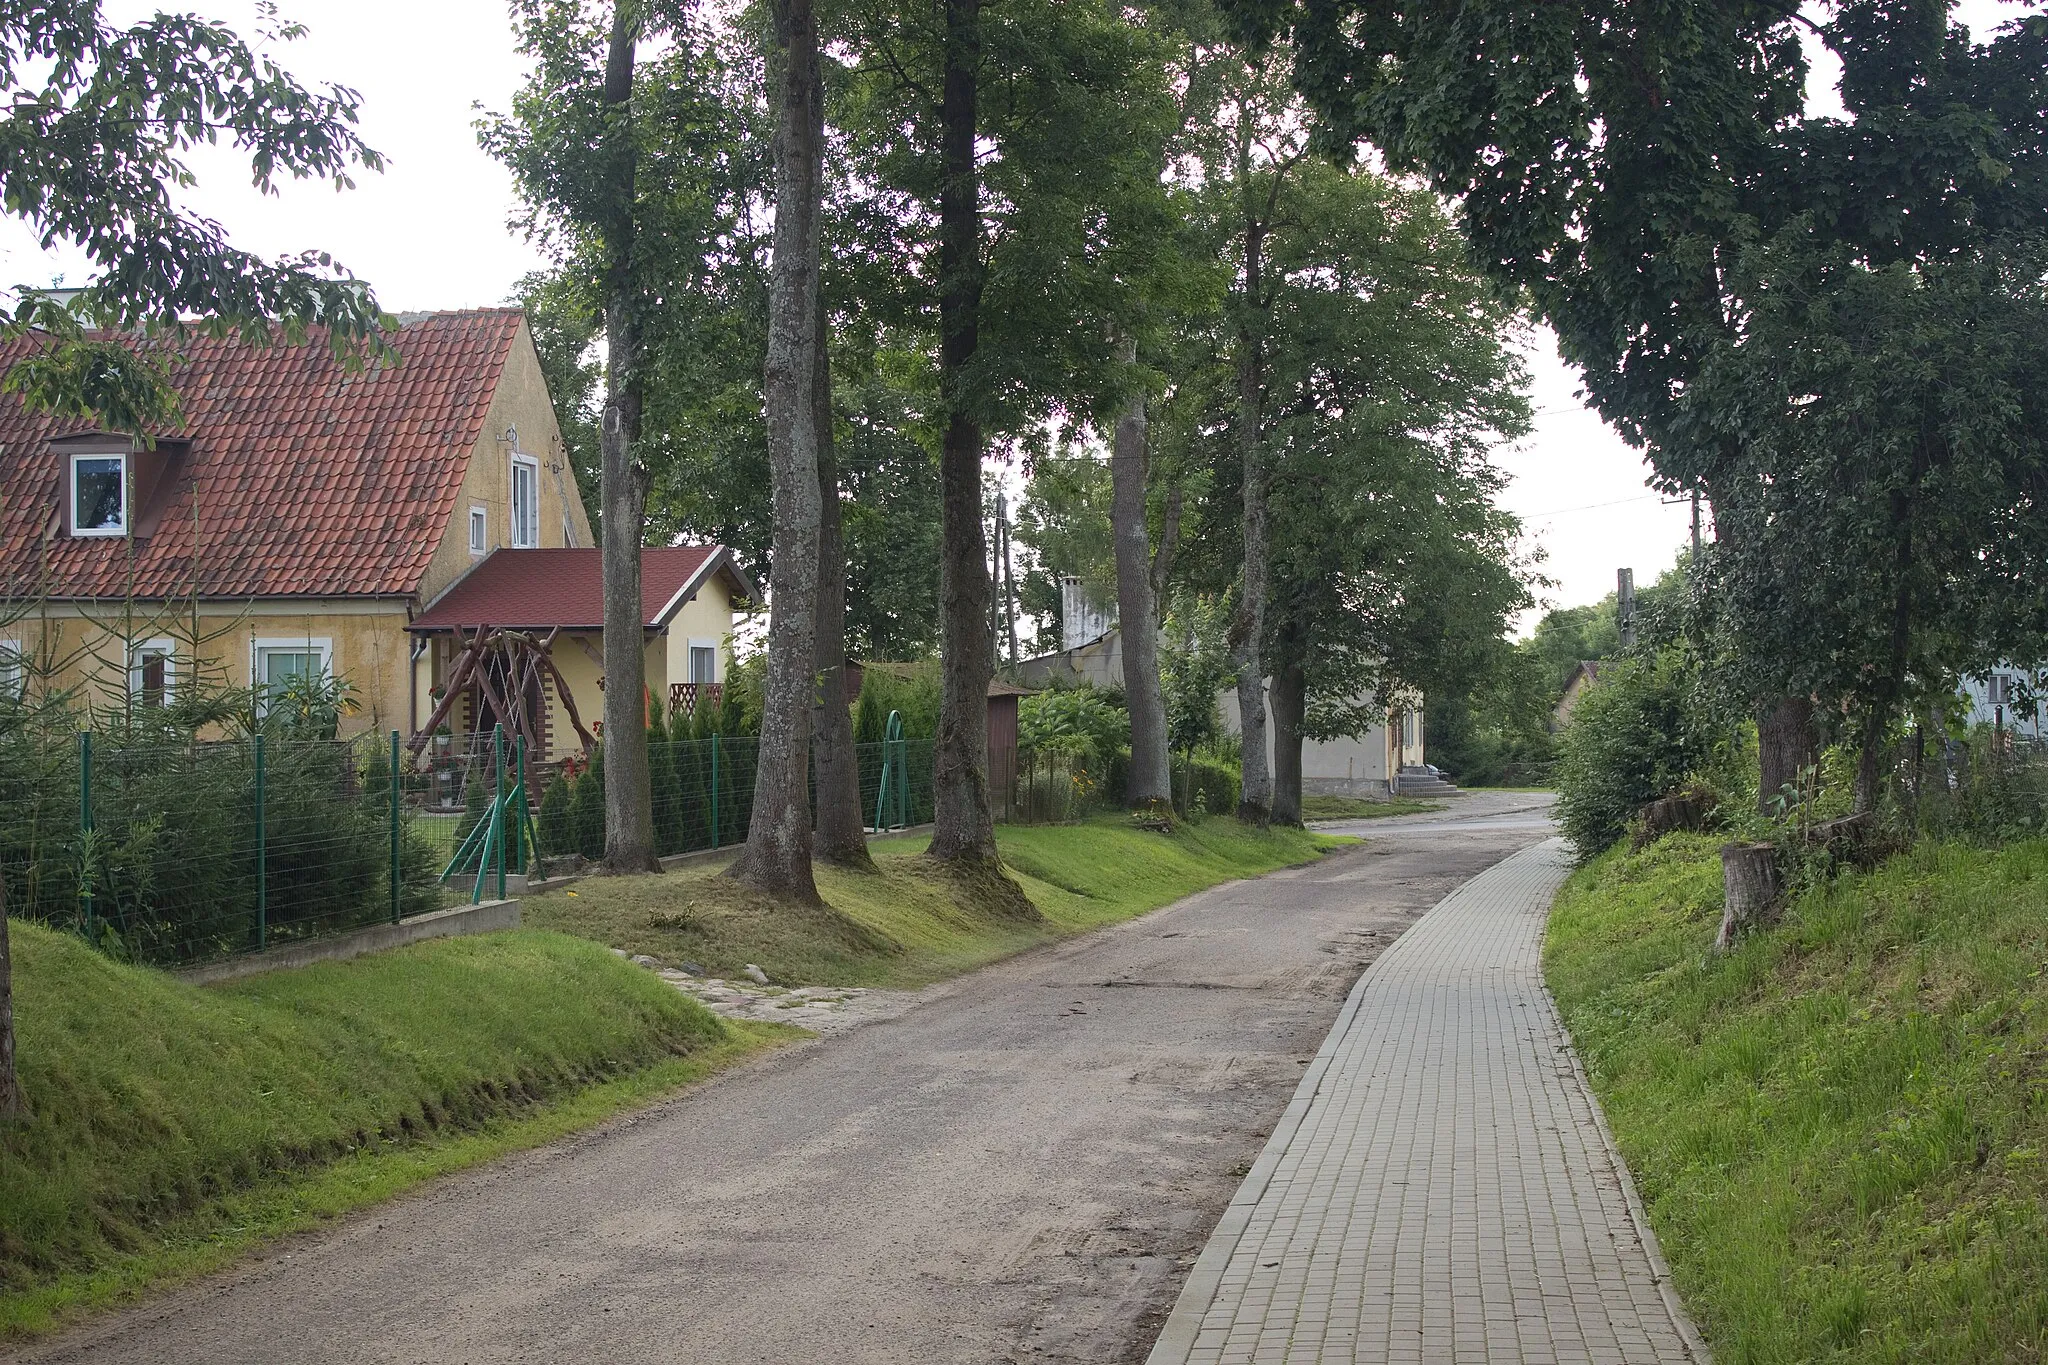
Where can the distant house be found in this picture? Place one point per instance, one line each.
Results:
(1369, 764)
(307, 520)
(2012, 697)
(1582, 677)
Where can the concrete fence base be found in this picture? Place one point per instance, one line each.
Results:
(466, 919)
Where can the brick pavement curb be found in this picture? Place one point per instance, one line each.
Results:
(1178, 1338)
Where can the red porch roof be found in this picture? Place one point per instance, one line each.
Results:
(543, 589)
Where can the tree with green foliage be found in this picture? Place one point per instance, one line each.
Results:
(1777, 304)
(98, 120)
(92, 140)
(1632, 739)
(640, 179)
(1063, 520)
(1568, 636)
(988, 214)
(1352, 387)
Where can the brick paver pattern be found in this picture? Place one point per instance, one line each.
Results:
(1442, 1188)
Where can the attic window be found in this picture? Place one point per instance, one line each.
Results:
(99, 495)
(525, 503)
(479, 529)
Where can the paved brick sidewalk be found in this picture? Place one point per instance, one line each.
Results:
(1442, 1188)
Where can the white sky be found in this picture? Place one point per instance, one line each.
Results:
(431, 233)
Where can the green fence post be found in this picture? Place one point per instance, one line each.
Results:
(521, 852)
(714, 791)
(394, 826)
(85, 868)
(262, 871)
(498, 806)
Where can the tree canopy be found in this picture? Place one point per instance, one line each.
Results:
(94, 129)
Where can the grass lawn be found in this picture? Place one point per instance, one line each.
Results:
(903, 924)
(1841, 1128)
(174, 1126)
(1357, 808)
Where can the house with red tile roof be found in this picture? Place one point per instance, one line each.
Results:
(303, 517)
(553, 600)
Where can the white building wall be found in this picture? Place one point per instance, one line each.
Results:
(1363, 765)
(1360, 765)
(2023, 722)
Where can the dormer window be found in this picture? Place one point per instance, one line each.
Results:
(99, 495)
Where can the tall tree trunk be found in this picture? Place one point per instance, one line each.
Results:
(1290, 700)
(1886, 690)
(623, 480)
(1136, 608)
(841, 837)
(1786, 744)
(1248, 628)
(777, 858)
(963, 824)
(13, 1103)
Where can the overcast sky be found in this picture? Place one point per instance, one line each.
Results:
(431, 232)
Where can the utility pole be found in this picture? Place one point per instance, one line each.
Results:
(1625, 605)
(1009, 581)
(1695, 531)
(995, 582)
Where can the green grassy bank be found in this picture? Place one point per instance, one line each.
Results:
(174, 1126)
(1315, 807)
(906, 924)
(1841, 1128)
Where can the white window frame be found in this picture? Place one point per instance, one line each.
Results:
(479, 530)
(285, 644)
(521, 539)
(164, 646)
(13, 668)
(689, 657)
(71, 513)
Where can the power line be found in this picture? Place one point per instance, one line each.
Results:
(1588, 507)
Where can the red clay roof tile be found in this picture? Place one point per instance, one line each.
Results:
(538, 589)
(308, 481)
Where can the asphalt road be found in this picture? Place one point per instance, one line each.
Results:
(1021, 1168)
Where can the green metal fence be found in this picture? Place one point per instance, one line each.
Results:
(704, 794)
(179, 852)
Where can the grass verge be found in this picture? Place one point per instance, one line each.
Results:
(905, 924)
(1358, 808)
(1841, 1128)
(175, 1126)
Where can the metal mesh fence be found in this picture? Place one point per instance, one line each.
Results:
(704, 794)
(178, 852)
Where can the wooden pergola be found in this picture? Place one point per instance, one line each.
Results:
(524, 664)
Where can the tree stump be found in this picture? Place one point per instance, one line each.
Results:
(1749, 879)
(1852, 839)
(1682, 812)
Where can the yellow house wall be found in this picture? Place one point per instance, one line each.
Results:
(369, 644)
(520, 401)
(366, 642)
(706, 616)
